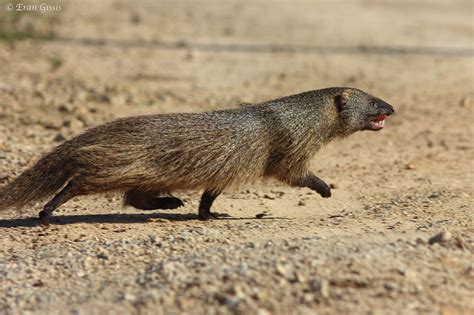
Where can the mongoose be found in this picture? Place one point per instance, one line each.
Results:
(149, 157)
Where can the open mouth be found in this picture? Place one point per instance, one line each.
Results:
(378, 122)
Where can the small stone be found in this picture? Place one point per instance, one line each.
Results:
(262, 311)
(411, 275)
(420, 241)
(249, 245)
(59, 138)
(434, 195)
(308, 298)
(281, 270)
(301, 203)
(441, 237)
(54, 123)
(332, 186)
(129, 297)
(465, 101)
(461, 243)
(320, 286)
(102, 255)
(65, 108)
(390, 286)
(299, 277)
(410, 166)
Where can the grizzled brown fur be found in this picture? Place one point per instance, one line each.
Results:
(148, 156)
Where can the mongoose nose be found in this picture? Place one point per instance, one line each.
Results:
(390, 109)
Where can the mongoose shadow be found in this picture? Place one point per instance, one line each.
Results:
(122, 218)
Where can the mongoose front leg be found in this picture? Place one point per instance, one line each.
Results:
(315, 183)
(207, 199)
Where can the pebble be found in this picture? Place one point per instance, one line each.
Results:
(262, 311)
(59, 137)
(434, 195)
(281, 270)
(260, 215)
(129, 297)
(420, 241)
(391, 286)
(465, 101)
(441, 237)
(320, 286)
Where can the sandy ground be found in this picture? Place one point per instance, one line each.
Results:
(363, 251)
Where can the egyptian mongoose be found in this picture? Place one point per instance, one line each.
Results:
(149, 157)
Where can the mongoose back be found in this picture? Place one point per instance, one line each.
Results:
(149, 157)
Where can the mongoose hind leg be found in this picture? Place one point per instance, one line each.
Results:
(315, 183)
(71, 190)
(150, 200)
(207, 199)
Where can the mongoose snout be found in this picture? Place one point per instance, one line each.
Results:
(149, 157)
(382, 111)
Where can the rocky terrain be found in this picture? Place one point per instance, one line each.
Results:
(395, 238)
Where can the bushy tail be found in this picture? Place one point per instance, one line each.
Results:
(41, 180)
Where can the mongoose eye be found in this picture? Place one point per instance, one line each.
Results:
(374, 104)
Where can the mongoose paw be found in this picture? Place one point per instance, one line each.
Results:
(166, 203)
(324, 191)
(44, 218)
(208, 216)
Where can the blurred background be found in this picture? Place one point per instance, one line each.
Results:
(188, 53)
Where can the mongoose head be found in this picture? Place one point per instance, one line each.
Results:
(362, 111)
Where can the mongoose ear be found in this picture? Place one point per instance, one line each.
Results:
(342, 99)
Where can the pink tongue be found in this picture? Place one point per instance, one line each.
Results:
(380, 118)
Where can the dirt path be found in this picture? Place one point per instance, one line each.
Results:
(365, 250)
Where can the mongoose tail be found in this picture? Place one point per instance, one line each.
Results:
(40, 181)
